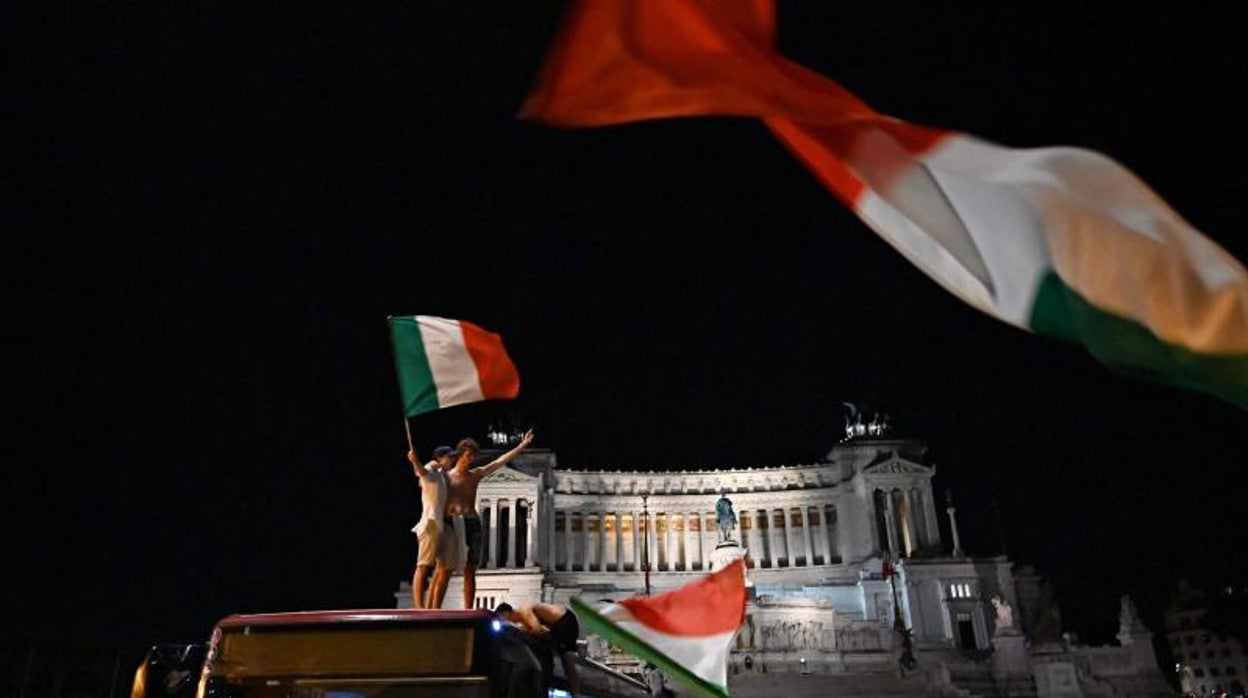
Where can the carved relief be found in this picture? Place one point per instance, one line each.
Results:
(898, 467)
(795, 635)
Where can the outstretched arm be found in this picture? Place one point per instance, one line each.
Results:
(415, 461)
(502, 460)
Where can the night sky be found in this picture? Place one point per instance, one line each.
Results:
(208, 419)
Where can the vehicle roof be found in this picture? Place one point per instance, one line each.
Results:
(375, 615)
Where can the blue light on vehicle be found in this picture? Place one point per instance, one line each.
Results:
(496, 626)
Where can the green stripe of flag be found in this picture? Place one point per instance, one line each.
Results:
(1131, 349)
(416, 385)
(642, 650)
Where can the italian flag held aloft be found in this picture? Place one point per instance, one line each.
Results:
(686, 632)
(1059, 241)
(445, 362)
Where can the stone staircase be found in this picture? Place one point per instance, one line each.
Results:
(856, 685)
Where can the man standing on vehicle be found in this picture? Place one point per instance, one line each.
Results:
(434, 534)
(461, 503)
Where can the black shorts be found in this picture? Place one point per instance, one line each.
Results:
(473, 538)
(565, 632)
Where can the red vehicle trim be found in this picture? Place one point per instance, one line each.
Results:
(379, 615)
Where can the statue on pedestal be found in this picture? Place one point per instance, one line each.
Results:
(1005, 615)
(725, 518)
(728, 549)
(1129, 616)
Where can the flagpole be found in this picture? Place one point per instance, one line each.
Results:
(407, 427)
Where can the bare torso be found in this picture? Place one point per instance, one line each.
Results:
(548, 614)
(461, 491)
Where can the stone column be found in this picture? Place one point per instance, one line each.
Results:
(671, 546)
(668, 548)
(953, 528)
(911, 527)
(652, 541)
(808, 535)
(831, 531)
(530, 526)
(683, 542)
(782, 550)
(702, 541)
(636, 541)
(600, 542)
(567, 539)
(762, 519)
(550, 555)
(890, 522)
(929, 511)
(618, 518)
(496, 517)
(508, 558)
(586, 541)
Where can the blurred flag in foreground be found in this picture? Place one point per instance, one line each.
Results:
(686, 632)
(1060, 241)
(445, 362)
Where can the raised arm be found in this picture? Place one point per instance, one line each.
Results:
(421, 472)
(499, 462)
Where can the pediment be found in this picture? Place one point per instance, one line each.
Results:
(897, 466)
(509, 475)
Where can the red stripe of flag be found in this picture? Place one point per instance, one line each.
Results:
(496, 373)
(697, 608)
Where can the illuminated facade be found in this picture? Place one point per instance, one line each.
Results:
(1208, 664)
(815, 537)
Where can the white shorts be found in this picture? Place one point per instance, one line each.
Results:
(437, 544)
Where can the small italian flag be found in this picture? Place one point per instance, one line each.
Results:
(686, 632)
(445, 362)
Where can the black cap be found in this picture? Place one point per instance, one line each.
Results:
(443, 451)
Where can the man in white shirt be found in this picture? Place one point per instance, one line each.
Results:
(434, 533)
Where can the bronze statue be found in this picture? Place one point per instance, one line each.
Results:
(725, 518)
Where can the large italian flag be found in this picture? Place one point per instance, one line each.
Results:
(445, 362)
(686, 632)
(1060, 241)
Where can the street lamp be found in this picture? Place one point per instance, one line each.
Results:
(645, 545)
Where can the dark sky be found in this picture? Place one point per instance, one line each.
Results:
(209, 421)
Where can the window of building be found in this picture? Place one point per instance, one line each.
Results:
(1214, 671)
(1209, 654)
(1199, 673)
(1230, 671)
(966, 631)
(1191, 639)
(1205, 638)
(484, 602)
(1226, 651)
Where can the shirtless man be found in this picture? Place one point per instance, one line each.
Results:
(461, 501)
(553, 624)
(434, 534)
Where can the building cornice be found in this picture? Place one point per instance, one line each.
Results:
(706, 482)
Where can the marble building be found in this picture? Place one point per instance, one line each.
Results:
(815, 538)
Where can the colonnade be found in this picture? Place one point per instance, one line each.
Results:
(905, 519)
(510, 531)
(617, 541)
